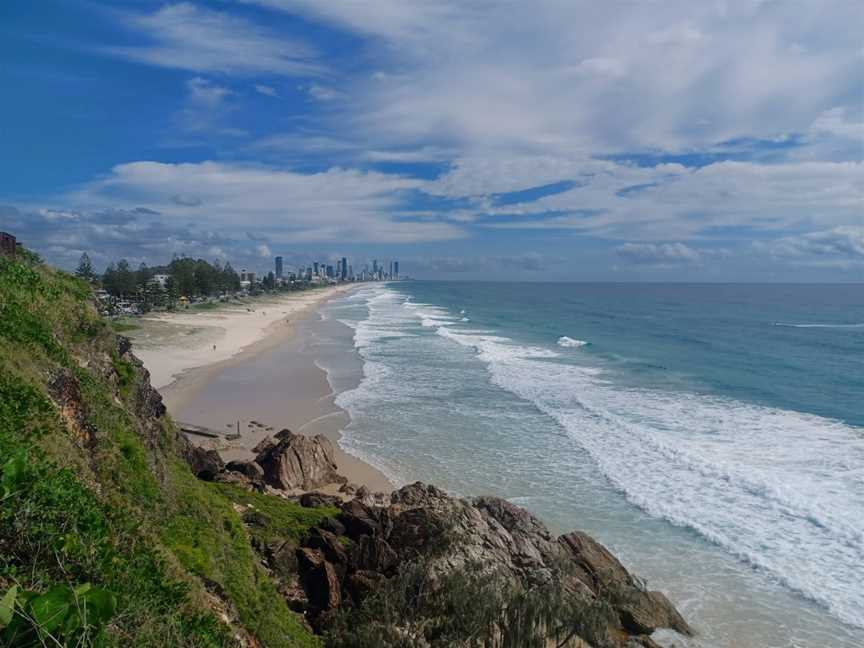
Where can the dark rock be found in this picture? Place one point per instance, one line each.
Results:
(238, 479)
(299, 462)
(319, 579)
(332, 525)
(248, 468)
(358, 519)
(65, 391)
(450, 534)
(348, 488)
(329, 545)
(362, 583)
(265, 444)
(319, 500)
(124, 345)
(641, 612)
(372, 553)
(205, 464)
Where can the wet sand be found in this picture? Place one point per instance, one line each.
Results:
(270, 385)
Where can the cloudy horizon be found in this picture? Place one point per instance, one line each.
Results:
(715, 141)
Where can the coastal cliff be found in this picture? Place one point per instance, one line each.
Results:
(114, 529)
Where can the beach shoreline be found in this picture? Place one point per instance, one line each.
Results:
(296, 395)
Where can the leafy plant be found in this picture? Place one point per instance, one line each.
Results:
(60, 616)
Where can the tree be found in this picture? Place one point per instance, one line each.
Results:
(85, 268)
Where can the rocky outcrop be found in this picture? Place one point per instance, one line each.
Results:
(250, 469)
(640, 611)
(65, 391)
(340, 565)
(204, 464)
(293, 462)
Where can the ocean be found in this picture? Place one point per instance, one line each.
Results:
(712, 436)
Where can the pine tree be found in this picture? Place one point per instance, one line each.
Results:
(85, 268)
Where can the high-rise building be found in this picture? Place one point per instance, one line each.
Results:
(315, 267)
(395, 269)
(279, 268)
(344, 273)
(375, 267)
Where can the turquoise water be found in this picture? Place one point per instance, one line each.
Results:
(710, 435)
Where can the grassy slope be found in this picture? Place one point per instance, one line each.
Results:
(119, 513)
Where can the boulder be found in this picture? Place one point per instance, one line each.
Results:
(640, 611)
(248, 468)
(236, 478)
(298, 462)
(319, 500)
(205, 464)
(319, 579)
(329, 545)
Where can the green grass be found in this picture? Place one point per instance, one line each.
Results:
(122, 512)
(124, 327)
(272, 518)
(210, 539)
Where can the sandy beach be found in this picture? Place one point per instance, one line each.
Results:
(261, 377)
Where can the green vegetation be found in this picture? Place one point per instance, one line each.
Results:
(187, 277)
(106, 537)
(468, 608)
(120, 326)
(273, 519)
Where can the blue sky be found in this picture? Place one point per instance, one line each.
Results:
(708, 141)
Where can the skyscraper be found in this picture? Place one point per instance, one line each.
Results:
(278, 267)
(395, 269)
(344, 268)
(315, 267)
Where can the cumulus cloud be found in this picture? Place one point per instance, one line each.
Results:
(663, 202)
(838, 244)
(662, 254)
(332, 205)
(562, 74)
(108, 234)
(188, 37)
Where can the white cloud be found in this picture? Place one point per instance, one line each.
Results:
(839, 244)
(191, 38)
(324, 93)
(662, 254)
(267, 91)
(207, 109)
(283, 206)
(669, 201)
(562, 73)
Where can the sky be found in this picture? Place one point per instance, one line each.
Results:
(470, 139)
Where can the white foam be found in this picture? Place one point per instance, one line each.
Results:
(568, 342)
(839, 326)
(781, 490)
